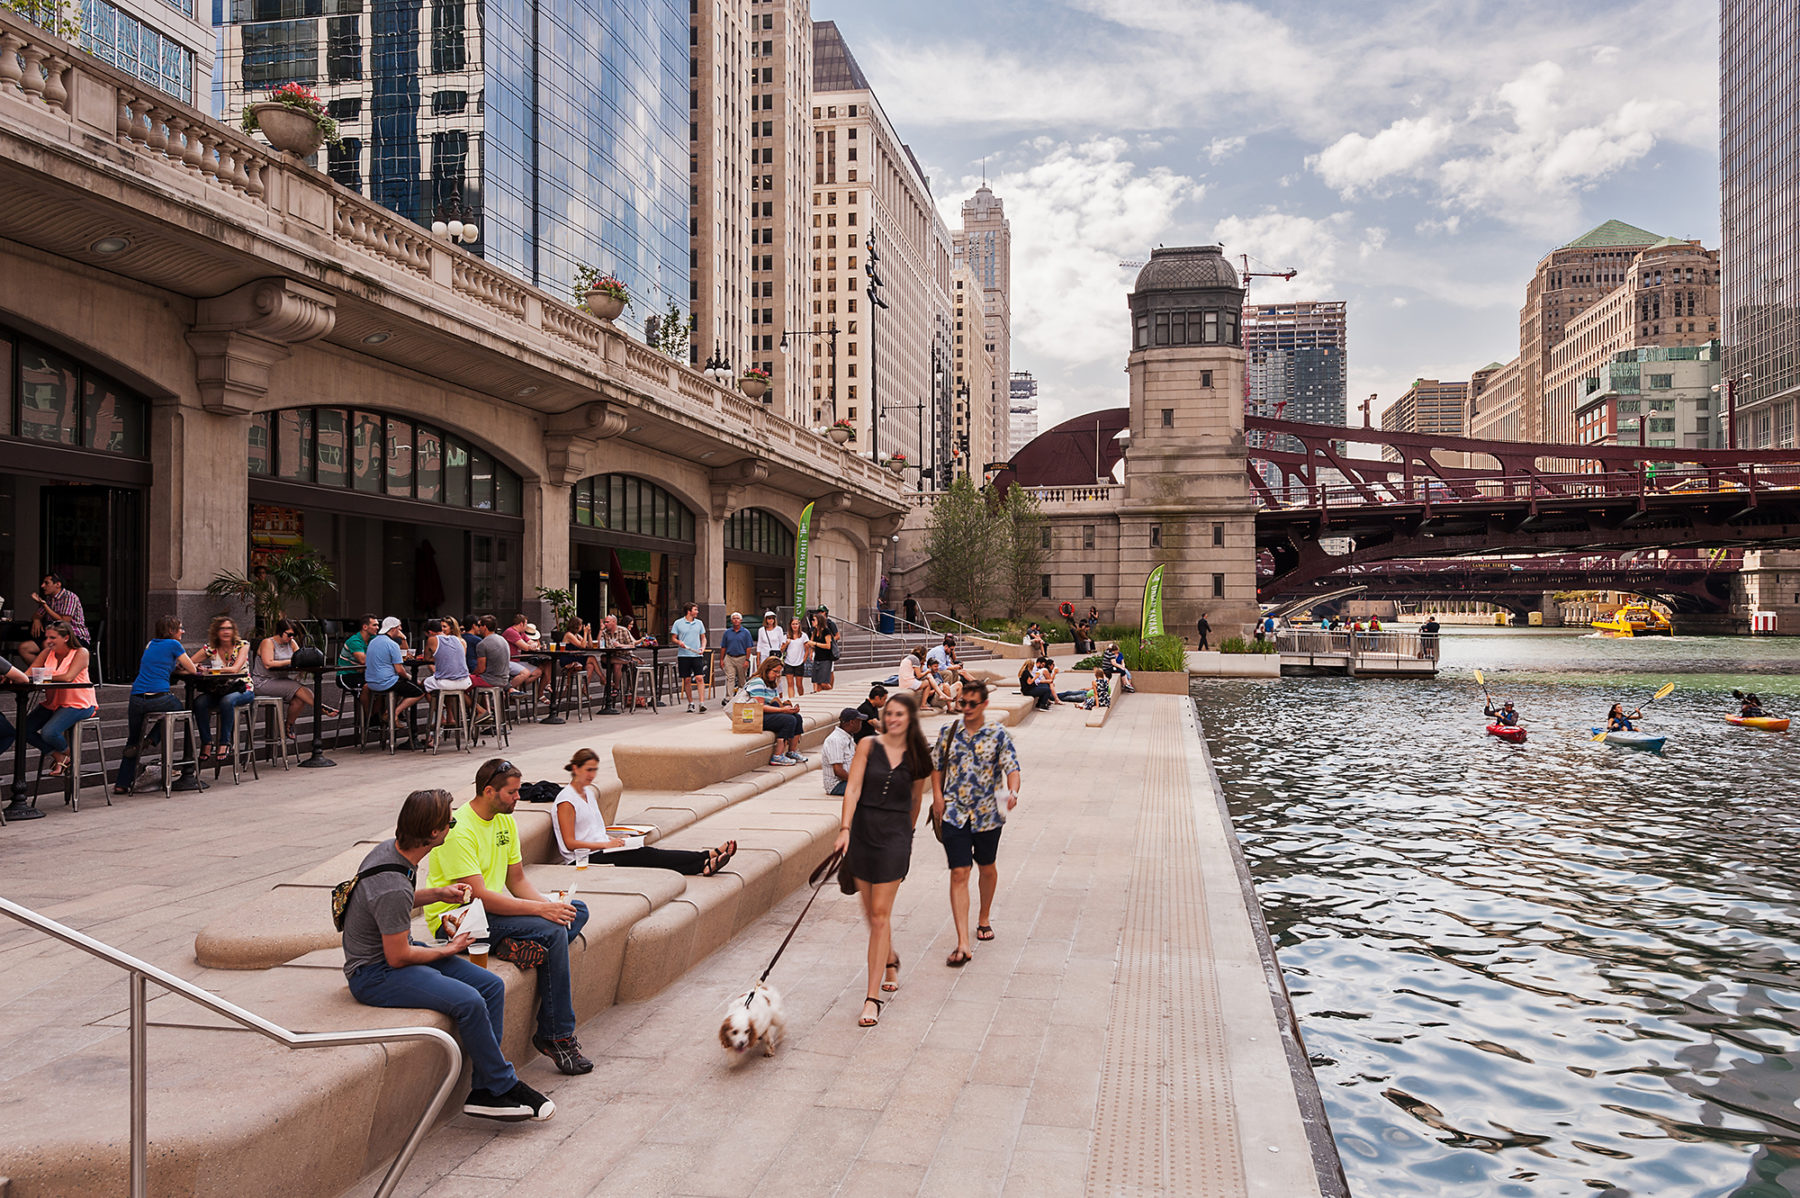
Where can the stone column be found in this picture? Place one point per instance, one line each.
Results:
(544, 561)
(199, 510)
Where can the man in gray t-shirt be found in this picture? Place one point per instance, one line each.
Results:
(386, 967)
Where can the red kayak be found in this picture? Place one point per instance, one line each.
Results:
(1514, 735)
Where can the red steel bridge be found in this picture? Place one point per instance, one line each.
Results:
(1332, 514)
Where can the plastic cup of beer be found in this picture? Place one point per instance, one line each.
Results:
(581, 858)
(478, 952)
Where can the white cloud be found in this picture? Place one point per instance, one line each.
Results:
(1221, 148)
(1355, 163)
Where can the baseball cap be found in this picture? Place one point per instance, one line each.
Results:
(737, 615)
(388, 625)
(768, 615)
(849, 715)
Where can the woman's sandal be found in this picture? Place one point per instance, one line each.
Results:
(958, 959)
(865, 1021)
(716, 858)
(983, 932)
(891, 987)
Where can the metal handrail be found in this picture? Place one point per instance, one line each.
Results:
(142, 971)
(970, 628)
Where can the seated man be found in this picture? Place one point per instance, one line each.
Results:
(519, 639)
(944, 657)
(386, 967)
(839, 751)
(384, 671)
(871, 712)
(482, 853)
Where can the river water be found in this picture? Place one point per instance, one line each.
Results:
(1562, 968)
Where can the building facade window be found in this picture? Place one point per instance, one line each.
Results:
(1156, 536)
(48, 398)
(1043, 586)
(365, 451)
(115, 36)
(1218, 586)
(1087, 586)
(1087, 536)
(1218, 534)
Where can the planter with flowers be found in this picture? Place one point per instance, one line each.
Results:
(897, 463)
(600, 294)
(293, 120)
(841, 432)
(754, 383)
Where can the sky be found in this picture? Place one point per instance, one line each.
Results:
(1415, 160)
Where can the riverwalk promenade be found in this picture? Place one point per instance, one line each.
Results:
(1119, 1036)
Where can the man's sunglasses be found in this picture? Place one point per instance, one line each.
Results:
(971, 702)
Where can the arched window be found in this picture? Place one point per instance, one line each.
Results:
(624, 503)
(50, 398)
(754, 531)
(380, 455)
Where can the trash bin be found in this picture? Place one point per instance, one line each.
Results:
(887, 623)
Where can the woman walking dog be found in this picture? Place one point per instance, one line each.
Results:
(881, 806)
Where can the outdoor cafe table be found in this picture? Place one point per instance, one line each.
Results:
(20, 808)
(554, 659)
(318, 760)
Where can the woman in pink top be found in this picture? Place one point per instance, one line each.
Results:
(45, 728)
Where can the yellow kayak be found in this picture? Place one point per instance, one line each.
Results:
(1767, 723)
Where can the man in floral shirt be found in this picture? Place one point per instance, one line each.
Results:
(969, 763)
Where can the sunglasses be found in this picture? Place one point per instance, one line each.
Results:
(972, 703)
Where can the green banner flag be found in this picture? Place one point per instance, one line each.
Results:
(802, 543)
(1153, 621)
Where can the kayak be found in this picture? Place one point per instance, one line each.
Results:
(1634, 740)
(1514, 734)
(1767, 723)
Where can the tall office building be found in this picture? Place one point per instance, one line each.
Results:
(985, 243)
(972, 416)
(1428, 406)
(562, 124)
(725, 301)
(1295, 360)
(166, 43)
(1023, 425)
(868, 189)
(1759, 125)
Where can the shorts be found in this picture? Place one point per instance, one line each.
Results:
(403, 688)
(434, 683)
(516, 668)
(963, 848)
(690, 667)
(821, 670)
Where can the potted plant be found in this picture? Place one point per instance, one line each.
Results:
(293, 120)
(897, 463)
(561, 601)
(283, 580)
(841, 432)
(754, 383)
(600, 294)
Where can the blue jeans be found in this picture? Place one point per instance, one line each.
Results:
(226, 706)
(837, 788)
(136, 712)
(459, 988)
(556, 1010)
(45, 726)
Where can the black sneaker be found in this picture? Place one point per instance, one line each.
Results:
(541, 1107)
(565, 1052)
(504, 1108)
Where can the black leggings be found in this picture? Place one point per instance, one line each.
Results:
(681, 861)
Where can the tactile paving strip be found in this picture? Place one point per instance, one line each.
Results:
(1164, 1123)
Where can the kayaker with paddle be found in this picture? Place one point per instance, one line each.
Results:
(1618, 721)
(1505, 716)
(1752, 708)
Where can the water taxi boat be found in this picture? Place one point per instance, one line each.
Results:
(1636, 620)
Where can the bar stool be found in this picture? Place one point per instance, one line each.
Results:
(371, 699)
(241, 738)
(273, 711)
(494, 716)
(668, 683)
(578, 690)
(441, 702)
(525, 698)
(166, 722)
(639, 682)
(76, 777)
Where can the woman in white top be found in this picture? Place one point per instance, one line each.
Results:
(580, 826)
(796, 651)
(915, 680)
(769, 640)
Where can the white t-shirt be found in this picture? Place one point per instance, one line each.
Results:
(909, 674)
(839, 749)
(590, 823)
(769, 642)
(793, 651)
(941, 656)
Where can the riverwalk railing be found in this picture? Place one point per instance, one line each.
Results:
(141, 972)
(1320, 642)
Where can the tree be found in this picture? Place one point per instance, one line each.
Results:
(1019, 543)
(960, 543)
(671, 332)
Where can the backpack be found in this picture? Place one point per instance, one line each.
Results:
(539, 792)
(340, 894)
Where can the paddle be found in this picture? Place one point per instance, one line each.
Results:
(1666, 688)
(1482, 683)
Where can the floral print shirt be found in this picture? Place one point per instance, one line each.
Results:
(975, 767)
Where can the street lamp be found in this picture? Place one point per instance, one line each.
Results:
(925, 471)
(1729, 386)
(830, 331)
(718, 367)
(456, 221)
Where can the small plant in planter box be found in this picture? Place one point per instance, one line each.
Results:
(302, 101)
(754, 382)
(599, 293)
(842, 431)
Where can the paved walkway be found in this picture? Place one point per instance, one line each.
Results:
(1116, 1038)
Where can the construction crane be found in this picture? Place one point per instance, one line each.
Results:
(1246, 274)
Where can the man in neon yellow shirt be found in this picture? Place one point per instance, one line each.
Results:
(482, 853)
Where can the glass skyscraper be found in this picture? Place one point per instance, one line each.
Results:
(1759, 124)
(565, 132)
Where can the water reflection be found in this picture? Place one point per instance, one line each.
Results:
(1556, 968)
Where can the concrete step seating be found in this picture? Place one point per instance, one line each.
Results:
(236, 1115)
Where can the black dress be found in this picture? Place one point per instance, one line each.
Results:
(881, 829)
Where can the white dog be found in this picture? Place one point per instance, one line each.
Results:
(754, 1015)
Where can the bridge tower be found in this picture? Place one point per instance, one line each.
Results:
(1187, 498)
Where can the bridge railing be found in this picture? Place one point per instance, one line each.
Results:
(1320, 642)
(1745, 481)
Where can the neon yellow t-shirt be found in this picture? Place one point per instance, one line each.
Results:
(474, 846)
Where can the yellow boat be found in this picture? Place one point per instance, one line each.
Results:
(1636, 620)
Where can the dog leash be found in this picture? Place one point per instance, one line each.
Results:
(819, 876)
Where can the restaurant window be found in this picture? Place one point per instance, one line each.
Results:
(456, 472)
(47, 397)
(756, 531)
(295, 435)
(259, 444)
(112, 418)
(481, 481)
(333, 447)
(428, 465)
(365, 452)
(628, 504)
(399, 458)
(333, 441)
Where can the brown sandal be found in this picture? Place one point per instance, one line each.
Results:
(958, 959)
(865, 1021)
